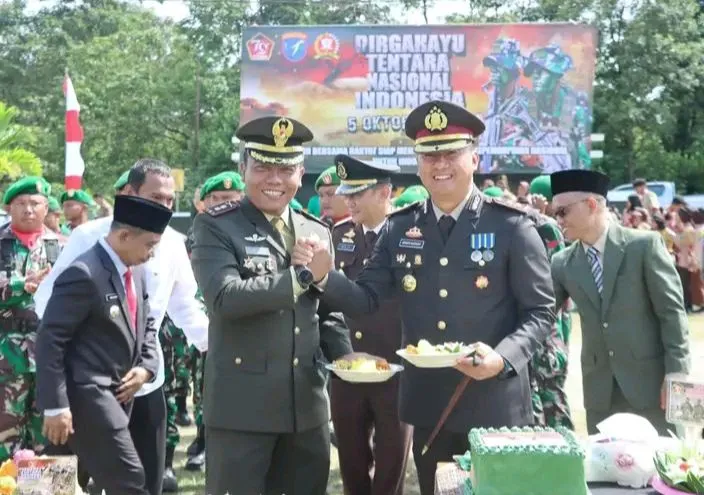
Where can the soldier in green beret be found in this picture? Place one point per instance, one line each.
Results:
(332, 207)
(493, 192)
(76, 204)
(410, 195)
(27, 251)
(53, 220)
(121, 182)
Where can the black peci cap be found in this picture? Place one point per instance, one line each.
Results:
(579, 181)
(141, 213)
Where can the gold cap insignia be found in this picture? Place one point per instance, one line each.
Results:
(282, 130)
(341, 170)
(40, 187)
(71, 193)
(227, 183)
(482, 282)
(414, 233)
(327, 179)
(436, 120)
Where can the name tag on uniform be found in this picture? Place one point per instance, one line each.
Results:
(346, 247)
(256, 250)
(411, 243)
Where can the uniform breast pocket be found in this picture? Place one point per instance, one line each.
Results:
(258, 260)
(408, 271)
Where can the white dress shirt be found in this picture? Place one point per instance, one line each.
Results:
(171, 286)
(376, 229)
(458, 209)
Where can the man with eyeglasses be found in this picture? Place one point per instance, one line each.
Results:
(466, 268)
(624, 282)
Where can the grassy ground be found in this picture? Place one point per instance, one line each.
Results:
(194, 484)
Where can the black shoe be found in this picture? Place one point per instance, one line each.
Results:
(182, 417)
(196, 463)
(198, 444)
(170, 484)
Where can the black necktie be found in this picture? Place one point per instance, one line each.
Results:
(370, 239)
(445, 224)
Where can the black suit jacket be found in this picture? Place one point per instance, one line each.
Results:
(86, 342)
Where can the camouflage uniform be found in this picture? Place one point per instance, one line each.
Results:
(197, 369)
(20, 421)
(176, 371)
(548, 371)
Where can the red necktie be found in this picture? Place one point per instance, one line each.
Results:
(131, 297)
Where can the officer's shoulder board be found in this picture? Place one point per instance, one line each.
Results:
(310, 216)
(343, 222)
(509, 205)
(407, 209)
(223, 208)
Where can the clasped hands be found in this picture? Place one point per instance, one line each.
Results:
(483, 362)
(314, 254)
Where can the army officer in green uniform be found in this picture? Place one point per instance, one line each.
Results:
(265, 407)
(27, 251)
(482, 276)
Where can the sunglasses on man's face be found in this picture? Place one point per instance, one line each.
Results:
(563, 211)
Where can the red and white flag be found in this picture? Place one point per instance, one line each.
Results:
(74, 137)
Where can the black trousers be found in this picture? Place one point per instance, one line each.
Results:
(148, 430)
(445, 445)
(247, 463)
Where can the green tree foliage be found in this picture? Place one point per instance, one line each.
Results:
(15, 157)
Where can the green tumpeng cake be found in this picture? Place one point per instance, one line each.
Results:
(526, 461)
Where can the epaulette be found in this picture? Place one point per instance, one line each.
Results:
(407, 208)
(343, 222)
(310, 216)
(510, 205)
(223, 208)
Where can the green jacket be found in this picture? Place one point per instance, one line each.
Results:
(637, 330)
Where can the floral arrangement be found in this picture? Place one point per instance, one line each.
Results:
(8, 471)
(681, 469)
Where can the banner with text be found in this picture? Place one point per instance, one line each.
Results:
(355, 85)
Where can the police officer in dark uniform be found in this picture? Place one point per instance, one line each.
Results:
(484, 278)
(265, 406)
(360, 410)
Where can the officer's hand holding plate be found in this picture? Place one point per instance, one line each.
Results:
(427, 355)
(481, 363)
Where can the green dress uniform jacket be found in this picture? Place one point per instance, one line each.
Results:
(637, 330)
(267, 347)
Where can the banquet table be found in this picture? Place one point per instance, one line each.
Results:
(449, 480)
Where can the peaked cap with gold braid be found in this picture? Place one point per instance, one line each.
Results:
(275, 140)
(438, 126)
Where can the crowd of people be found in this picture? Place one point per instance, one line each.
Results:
(107, 323)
